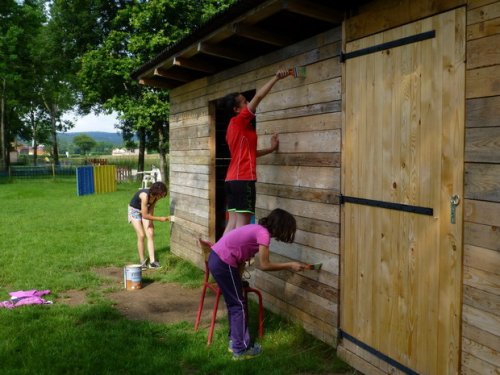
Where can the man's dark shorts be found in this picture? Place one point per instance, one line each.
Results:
(240, 196)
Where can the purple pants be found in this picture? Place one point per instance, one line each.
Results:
(229, 281)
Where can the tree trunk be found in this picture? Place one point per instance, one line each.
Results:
(162, 130)
(142, 148)
(35, 143)
(2, 127)
(53, 120)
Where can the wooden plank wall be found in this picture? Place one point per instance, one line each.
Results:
(303, 178)
(481, 289)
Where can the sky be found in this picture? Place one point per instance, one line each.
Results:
(92, 123)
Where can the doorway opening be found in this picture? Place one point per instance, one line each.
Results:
(222, 159)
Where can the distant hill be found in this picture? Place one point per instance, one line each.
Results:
(114, 138)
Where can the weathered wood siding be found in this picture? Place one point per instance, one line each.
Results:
(302, 178)
(481, 290)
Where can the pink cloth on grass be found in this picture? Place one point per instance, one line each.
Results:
(25, 297)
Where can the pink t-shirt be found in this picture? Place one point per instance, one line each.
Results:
(241, 244)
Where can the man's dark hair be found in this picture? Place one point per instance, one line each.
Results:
(229, 102)
(281, 225)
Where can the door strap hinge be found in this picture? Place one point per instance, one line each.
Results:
(388, 45)
(389, 205)
(376, 353)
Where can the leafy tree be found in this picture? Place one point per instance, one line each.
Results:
(84, 143)
(20, 23)
(140, 32)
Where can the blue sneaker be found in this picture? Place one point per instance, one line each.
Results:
(230, 346)
(252, 352)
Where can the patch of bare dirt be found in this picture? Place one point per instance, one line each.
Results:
(157, 302)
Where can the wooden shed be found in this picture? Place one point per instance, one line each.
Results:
(389, 159)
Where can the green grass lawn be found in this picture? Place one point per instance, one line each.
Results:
(52, 239)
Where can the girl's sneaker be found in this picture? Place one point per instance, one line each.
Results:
(154, 265)
(251, 352)
(144, 265)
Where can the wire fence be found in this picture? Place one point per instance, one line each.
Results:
(52, 171)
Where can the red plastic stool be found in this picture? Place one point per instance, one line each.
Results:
(206, 247)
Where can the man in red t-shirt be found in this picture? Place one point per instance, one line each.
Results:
(241, 138)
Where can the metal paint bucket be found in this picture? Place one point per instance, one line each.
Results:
(132, 277)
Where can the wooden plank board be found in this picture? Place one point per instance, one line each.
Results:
(307, 254)
(482, 337)
(192, 131)
(321, 211)
(482, 145)
(311, 285)
(482, 212)
(194, 160)
(482, 320)
(199, 181)
(194, 192)
(310, 303)
(188, 118)
(320, 92)
(482, 182)
(304, 176)
(310, 225)
(474, 365)
(194, 153)
(482, 259)
(482, 236)
(485, 281)
(318, 141)
(484, 13)
(482, 82)
(324, 121)
(356, 361)
(188, 168)
(323, 331)
(189, 144)
(301, 193)
(321, 277)
(377, 16)
(301, 111)
(472, 4)
(483, 112)
(309, 159)
(486, 28)
(483, 52)
(482, 300)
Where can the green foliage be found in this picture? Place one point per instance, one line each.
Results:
(84, 143)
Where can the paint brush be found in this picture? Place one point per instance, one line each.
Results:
(172, 215)
(297, 71)
(315, 266)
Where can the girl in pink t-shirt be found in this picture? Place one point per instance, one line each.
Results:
(231, 252)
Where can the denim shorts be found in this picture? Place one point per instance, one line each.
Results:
(134, 213)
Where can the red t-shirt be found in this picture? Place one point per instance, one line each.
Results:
(241, 138)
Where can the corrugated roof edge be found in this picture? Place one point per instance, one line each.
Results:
(235, 10)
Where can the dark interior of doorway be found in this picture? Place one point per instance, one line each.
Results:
(222, 159)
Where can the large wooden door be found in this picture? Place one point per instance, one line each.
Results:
(403, 141)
